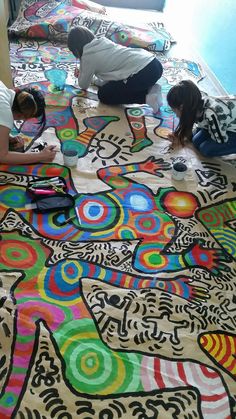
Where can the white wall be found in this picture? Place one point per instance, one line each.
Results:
(210, 27)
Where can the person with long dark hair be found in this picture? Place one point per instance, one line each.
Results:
(21, 104)
(209, 122)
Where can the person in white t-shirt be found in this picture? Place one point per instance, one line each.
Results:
(124, 75)
(20, 104)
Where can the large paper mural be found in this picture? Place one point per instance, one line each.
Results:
(124, 305)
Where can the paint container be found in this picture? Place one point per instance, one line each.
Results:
(57, 77)
(70, 157)
(179, 171)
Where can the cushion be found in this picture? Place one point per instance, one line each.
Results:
(53, 20)
(89, 5)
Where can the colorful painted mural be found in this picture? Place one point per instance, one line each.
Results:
(124, 305)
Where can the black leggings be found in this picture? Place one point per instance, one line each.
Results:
(135, 89)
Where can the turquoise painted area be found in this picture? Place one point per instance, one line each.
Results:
(210, 27)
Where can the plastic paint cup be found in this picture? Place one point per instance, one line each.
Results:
(179, 171)
(70, 157)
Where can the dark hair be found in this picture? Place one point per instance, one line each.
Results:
(187, 97)
(78, 38)
(30, 103)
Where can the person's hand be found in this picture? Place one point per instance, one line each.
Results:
(16, 143)
(47, 155)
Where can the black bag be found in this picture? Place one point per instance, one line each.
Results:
(57, 202)
(49, 194)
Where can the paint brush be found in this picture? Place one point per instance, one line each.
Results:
(67, 220)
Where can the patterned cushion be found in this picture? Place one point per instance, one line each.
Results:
(88, 5)
(53, 20)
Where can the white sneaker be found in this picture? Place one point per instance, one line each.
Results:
(154, 98)
(97, 82)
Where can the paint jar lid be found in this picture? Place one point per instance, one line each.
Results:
(180, 167)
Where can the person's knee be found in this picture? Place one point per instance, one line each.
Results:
(206, 150)
(200, 136)
(104, 96)
(203, 143)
